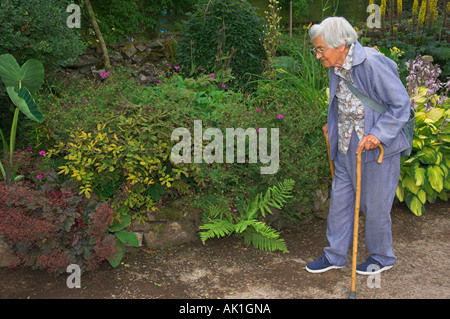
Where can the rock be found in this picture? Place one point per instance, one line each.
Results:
(168, 235)
(427, 58)
(155, 44)
(139, 57)
(86, 60)
(174, 225)
(148, 69)
(129, 49)
(321, 202)
(142, 57)
(115, 57)
(141, 47)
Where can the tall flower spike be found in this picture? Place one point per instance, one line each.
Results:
(415, 7)
(422, 12)
(383, 8)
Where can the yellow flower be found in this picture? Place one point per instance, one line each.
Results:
(415, 7)
(423, 10)
(399, 6)
(383, 8)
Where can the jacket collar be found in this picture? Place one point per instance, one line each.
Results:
(359, 54)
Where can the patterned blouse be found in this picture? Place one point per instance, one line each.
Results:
(350, 108)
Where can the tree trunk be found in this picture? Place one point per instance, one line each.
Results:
(99, 35)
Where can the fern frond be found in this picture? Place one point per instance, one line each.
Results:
(216, 228)
(275, 196)
(263, 243)
(243, 224)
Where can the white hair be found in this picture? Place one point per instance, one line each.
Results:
(335, 31)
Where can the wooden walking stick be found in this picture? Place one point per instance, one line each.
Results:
(329, 156)
(352, 294)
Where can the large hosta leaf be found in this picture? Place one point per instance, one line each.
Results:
(30, 75)
(419, 174)
(414, 204)
(436, 177)
(25, 102)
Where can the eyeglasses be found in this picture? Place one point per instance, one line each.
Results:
(318, 51)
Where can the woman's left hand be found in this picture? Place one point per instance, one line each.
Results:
(368, 142)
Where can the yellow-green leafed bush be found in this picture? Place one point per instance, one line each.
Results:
(126, 160)
(425, 175)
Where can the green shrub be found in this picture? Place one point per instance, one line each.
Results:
(36, 29)
(221, 34)
(425, 175)
(126, 160)
(78, 103)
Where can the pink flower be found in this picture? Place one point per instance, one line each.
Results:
(159, 81)
(29, 148)
(223, 85)
(280, 116)
(176, 67)
(42, 153)
(84, 101)
(39, 176)
(258, 130)
(259, 110)
(235, 210)
(212, 76)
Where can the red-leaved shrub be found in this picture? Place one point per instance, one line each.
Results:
(52, 228)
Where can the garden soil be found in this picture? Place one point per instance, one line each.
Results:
(228, 269)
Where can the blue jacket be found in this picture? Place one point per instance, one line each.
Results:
(375, 76)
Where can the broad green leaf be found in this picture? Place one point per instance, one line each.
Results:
(443, 195)
(435, 177)
(119, 255)
(445, 137)
(422, 196)
(409, 183)
(414, 205)
(419, 174)
(400, 193)
(116, 226)
(447, 185)
(434, 115)
(429, 155)
(127, 238)
(30, 75)
(418, 143)
(24, 101)
(432, 197)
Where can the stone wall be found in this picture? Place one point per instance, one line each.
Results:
(147, 58)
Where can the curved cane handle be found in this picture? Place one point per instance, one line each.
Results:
(380, 157)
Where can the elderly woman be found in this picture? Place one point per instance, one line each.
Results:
(354, 127)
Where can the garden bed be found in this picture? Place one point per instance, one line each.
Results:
(228, 269)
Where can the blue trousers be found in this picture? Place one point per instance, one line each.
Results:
(378, 186)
